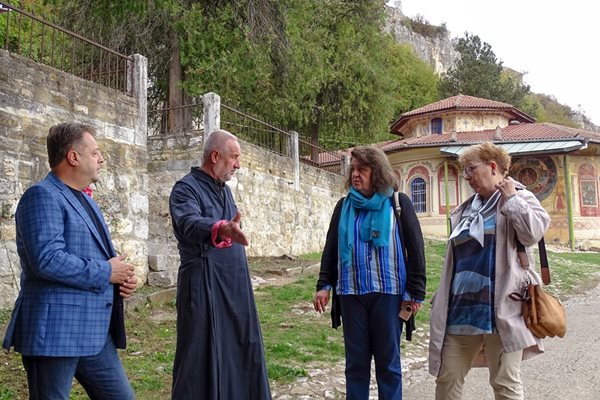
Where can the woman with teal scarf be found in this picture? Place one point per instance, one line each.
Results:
(375, 266)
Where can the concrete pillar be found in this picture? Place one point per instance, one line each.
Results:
(295, 154)
(212, 113)
(137, 86)
(345, 167)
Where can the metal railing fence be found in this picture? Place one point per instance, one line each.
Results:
(189, 118)
(255, 131)
(312, 154)
(171, 120)
(30, 36)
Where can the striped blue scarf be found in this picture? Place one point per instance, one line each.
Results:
(375, 226)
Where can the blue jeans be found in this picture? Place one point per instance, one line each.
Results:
(372, 329)
(102, 376)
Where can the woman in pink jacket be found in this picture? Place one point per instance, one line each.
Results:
(473, 320)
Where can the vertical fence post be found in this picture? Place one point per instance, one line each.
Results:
(137, 85)
(295, 154)
(345, 167)
(212, 113)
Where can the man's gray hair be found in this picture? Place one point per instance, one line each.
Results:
(216, 140)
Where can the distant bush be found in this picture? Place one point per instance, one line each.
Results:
(421, 26)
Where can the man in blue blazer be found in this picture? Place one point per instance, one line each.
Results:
(68, 318)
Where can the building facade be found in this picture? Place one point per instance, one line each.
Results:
(560, 165)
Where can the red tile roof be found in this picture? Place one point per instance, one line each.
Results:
(513, 133)
(460, 103)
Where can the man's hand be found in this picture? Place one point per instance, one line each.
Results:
(121, 271)
(128, 287)
(320, 301)
(233, 231)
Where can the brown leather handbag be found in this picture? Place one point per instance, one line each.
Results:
(544, 314)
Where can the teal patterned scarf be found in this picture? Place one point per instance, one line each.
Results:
(375, 226)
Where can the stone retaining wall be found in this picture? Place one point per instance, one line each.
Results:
(277, 218)
(34, 97)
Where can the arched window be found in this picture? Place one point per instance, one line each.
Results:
(436, 126)
(418, 194)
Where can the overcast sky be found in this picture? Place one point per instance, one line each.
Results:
(554, 42)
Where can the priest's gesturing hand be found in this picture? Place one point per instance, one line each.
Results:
(233, 231)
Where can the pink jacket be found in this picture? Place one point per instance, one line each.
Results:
(523, 216)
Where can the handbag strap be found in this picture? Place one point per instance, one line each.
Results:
(544, 267)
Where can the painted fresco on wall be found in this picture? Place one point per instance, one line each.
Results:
(559, 199)
(588, 193)
(452, 188)
(537, 173)
(588, 190)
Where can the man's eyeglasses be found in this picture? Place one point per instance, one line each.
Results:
(469, 169)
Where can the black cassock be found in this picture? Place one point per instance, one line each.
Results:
(219, 351)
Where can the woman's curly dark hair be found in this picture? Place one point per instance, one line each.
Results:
(382, 176)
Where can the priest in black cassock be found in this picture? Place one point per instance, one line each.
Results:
(219, 353)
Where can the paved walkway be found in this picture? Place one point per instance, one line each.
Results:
(569, 370)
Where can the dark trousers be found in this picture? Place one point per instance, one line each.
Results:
(372, 328)
(102, 376)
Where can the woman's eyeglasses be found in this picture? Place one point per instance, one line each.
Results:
(469, 169)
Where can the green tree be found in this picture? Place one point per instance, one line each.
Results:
(479, 73)
(334, 77)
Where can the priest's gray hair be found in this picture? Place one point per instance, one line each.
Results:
(216, 141)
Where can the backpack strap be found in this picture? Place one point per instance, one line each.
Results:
(397, 205)
(398, 215)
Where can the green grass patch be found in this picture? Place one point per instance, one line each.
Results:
(311, 256)
(294, 336)
(7, 394)
(573, 272)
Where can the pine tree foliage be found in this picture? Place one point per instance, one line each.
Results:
(479, 73)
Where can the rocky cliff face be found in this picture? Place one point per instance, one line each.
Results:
(437, 50)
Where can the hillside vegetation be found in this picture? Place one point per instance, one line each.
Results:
(324, 69)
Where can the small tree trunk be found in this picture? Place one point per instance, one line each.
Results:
(178, 117)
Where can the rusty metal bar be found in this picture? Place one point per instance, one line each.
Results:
(19, 36)
(100, 66)
(82, 66)
(42, 44)
(30, 39)
(52, 47)
(7, 30)
(73, 55)
(62, 54)
(109, 71)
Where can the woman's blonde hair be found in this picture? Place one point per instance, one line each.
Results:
(382, 175)
(486, 152)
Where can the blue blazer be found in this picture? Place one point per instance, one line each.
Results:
(66, 300)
